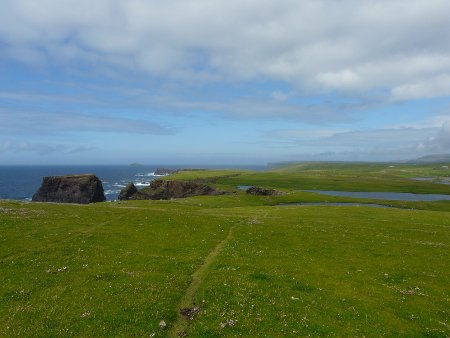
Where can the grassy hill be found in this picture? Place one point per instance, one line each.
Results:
(236, 265)
(438, 158)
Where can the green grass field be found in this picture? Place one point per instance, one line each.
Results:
(241, 265)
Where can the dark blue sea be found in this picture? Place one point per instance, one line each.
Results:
(21, 182)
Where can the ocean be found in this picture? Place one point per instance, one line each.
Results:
(21, 182)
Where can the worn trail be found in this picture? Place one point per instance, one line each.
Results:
(187, 302)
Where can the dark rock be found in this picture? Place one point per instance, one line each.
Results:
(168, 189)
(190, 312)
(164, 171)
(127, 192)
(81, 189)
(263, 192)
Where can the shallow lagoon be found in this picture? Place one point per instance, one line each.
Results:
(334, 204)
(394, 196)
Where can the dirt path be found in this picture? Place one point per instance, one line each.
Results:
(186, 304)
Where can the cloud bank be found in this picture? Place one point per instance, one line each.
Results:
(316, 45)
(35, 122)
(10, 146)
(371, 74)
(397, 143)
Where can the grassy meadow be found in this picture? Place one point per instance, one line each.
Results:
(236, 265)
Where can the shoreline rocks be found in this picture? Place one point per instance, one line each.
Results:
(127, 192)
(80, 189)
(167, 189)
(164, 171)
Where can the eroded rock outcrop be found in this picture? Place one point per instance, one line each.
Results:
(127, 192)
(168, 189)
(263, 192)
(81, 189)
(165, 171)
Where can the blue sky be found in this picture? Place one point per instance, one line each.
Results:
(222, 82)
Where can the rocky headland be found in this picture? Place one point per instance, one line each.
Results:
(165, 171)
(166, 190)
(81, 189)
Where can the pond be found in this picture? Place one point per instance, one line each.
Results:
(244, 187)
(334, 204)
(394, 196)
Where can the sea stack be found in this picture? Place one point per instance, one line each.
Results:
(127, 192)
(80, 189)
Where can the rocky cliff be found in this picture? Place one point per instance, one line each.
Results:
(168, 189)
(127, 192)
(81, 189)
(165, 171)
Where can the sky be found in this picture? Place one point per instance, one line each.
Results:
(223, 81)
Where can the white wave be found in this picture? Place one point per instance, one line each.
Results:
(142, 184)
(145, 175)
(119, 185)
(110, 192)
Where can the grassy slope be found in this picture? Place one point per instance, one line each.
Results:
(117, 269)
(331, 271)
(100, 269)
(346, 177)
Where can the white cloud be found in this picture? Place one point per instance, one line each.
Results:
(355, 139)
(28, 96)
(439, 142)
(280, 96)
(433, 122)
(318, 45)
(35, 122)
(301, 136)
(376, 144)
(41, 148)
(433, 87)
(343, 79)
(260, 107)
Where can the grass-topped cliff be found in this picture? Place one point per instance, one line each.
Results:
(240, 264)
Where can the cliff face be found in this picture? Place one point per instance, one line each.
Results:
(168, 189)
(164, 171)
(81, 189)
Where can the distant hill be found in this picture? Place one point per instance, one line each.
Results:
(438, 158)
(135, 164)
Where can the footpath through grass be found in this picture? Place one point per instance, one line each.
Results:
(330, 271)
(98, 270)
